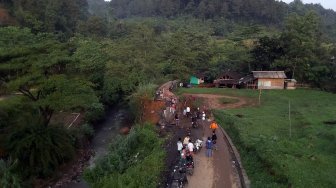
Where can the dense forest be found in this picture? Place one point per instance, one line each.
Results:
(83, 56)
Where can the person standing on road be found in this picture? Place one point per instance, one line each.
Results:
(194, 121)
(179, 146)
(213, 126)
(177, 120)
(203, 115)
(209, 146)
(214, 140)
(188, 111)
(198, 113)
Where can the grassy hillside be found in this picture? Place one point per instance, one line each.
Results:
(262, 134)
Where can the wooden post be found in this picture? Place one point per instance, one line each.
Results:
(259, 96)
(290, 121)
(77, 115)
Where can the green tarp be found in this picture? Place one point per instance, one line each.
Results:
(194, 80)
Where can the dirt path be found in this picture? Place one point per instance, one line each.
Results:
(167, 94)
(213, 101)
(222, 166)
(217, 171)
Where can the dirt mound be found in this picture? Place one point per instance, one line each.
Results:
(152, 111)
(5, 18)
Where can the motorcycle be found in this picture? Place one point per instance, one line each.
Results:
(189, 165)
(198, 145)
(179, 177)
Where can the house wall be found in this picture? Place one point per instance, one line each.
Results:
(291, 85)
(271, 83)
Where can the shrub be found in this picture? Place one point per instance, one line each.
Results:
(39, 149)
(133, 161)
(8, 176)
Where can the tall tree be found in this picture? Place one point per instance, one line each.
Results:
(40, 69)
(267, 50)
(300, 38)
(49, 15)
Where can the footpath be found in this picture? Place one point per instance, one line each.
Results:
(219, 171)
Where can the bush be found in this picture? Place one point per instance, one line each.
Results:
(39, 149)
(95, 112)
(8, 176)
(133, 161)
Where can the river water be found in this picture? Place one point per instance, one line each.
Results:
(105, 133)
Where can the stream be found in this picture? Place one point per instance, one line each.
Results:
(105, 132)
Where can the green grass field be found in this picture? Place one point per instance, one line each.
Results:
(273, 158)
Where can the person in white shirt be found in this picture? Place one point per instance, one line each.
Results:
(179, 145)
(188, 111)
(203, 116)
(191, 147)
(186, 140)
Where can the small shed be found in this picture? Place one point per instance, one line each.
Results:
(196, 81)
(228, 79)
(290, 84)
(264, 80)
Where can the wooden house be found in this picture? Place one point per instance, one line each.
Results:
(228, 79)
(290, 84)
(264, 80)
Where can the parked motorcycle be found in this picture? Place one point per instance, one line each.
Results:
(189, 165)
(179, 177)
(198, 145)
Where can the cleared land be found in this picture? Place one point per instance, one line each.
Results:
(274, 154)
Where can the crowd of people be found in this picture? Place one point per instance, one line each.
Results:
(187, 147)
(182, 111)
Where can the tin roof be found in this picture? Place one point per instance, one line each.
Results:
(269, 74)
(246, 79)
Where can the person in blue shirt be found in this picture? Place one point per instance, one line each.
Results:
(209, 146)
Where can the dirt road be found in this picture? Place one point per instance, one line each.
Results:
(217, 171)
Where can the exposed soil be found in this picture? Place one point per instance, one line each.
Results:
(213, 102)
(152, 111)
(5, 17)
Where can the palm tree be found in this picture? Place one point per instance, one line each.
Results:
(8, 178)
(39, 149)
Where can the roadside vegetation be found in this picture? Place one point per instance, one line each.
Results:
(274, 153)
(133, 161)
